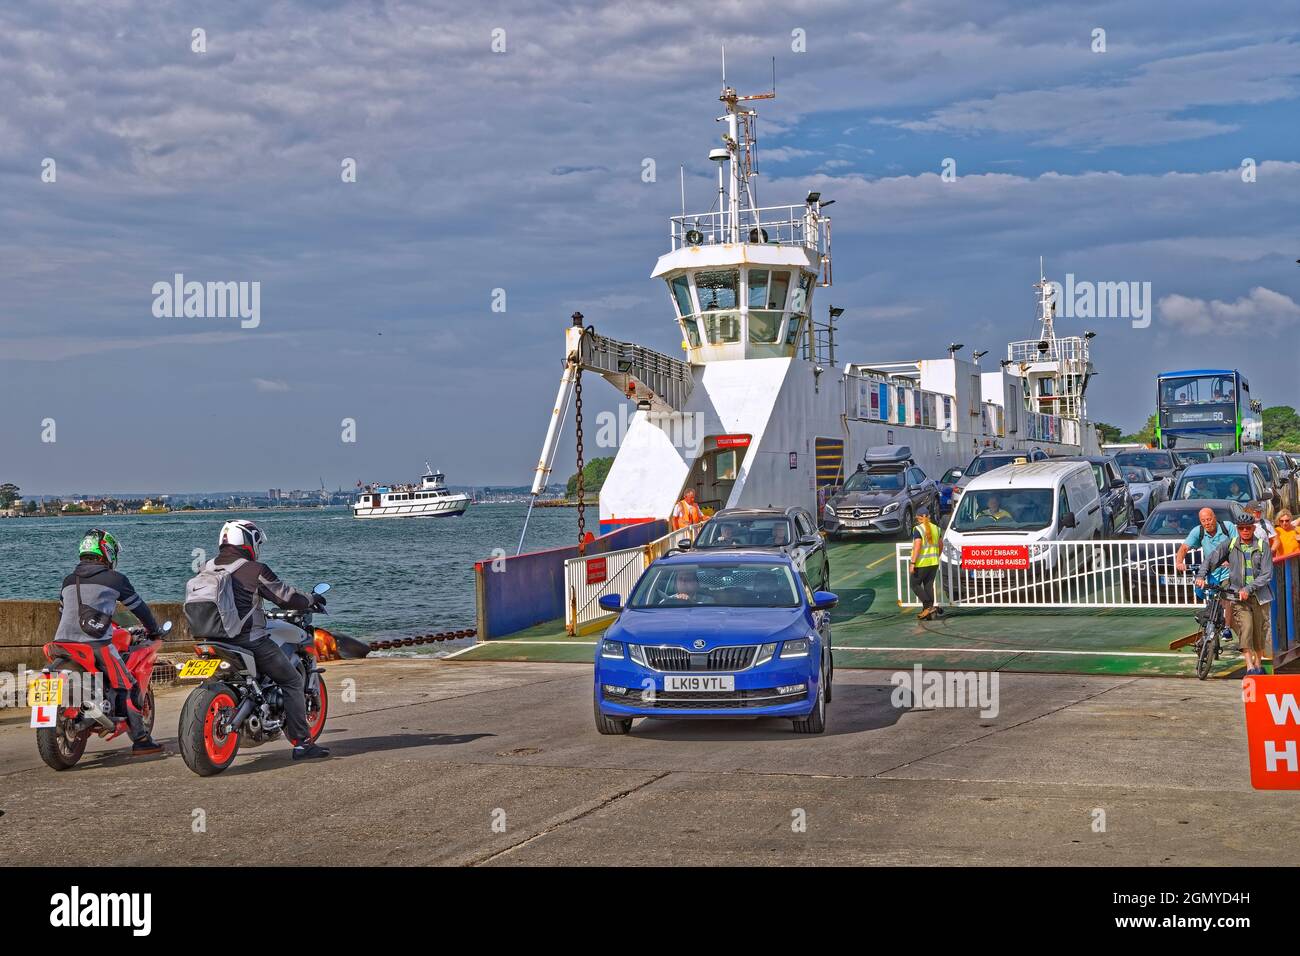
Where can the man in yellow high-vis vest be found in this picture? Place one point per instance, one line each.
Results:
(925, 562)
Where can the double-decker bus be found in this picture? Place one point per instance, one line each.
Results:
(1207, 408)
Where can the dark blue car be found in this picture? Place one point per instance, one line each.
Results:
(707, 634)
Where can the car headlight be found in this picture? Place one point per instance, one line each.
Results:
(765, 654)
(637, 653)
(892, 506)
(1037, 550)
(611, 649)
(829, 510)
(951, 551)
(797, 648)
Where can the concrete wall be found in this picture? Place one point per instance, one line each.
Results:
(25, 626)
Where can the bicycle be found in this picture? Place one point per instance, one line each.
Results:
(1214, 624)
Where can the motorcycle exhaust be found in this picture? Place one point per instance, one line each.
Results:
(241, 715)
(92, 710)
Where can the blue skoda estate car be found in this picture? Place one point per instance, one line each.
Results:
(717, 634)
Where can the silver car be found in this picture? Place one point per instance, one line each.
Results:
(1146, 490)
(882, 496)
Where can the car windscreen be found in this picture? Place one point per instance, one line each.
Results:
(747, 584)
(950, 477)
(1139, 475)
(1195, 457)
(1155, 460)
(1179, 522)
(728, 532)
(1004, 509)
(875, 481)
(1231, 487)
(988, 462)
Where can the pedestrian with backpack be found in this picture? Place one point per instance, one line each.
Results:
(223, 602)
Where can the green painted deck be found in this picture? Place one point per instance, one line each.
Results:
(871, 631)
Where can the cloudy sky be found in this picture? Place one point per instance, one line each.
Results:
(521, 170)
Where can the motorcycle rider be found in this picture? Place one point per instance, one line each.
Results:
(102, 586)
(252, 582)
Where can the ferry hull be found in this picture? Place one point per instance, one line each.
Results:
(417, 510)
(792, 436)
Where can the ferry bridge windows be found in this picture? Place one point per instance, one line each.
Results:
(692, 331)
(681, 287)
(764, 326)
(717, 289)
(777, 290)
(722, 327)
(792, 333)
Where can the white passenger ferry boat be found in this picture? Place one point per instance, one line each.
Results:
(429, 499)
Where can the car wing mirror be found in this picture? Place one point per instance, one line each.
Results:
(811, 540)
(824, 600)
(611, 602)
(1068, 520)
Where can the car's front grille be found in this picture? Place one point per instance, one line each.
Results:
(864, 513)
(719, 659)
(704, 699)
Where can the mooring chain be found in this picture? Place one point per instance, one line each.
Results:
(424, 639)
(582, 504)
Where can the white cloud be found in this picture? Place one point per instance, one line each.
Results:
(1261, 311)
(270, 385)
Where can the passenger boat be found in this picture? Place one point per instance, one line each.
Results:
(429, 499)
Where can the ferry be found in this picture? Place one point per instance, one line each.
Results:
(429, 499)
(761, 409)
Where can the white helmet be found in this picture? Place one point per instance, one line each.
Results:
(243, 534)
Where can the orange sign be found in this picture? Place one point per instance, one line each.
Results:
(1273, 730)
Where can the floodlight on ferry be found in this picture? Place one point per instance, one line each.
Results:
(1043, 346)
(813, 197)
(1089, 335)
(836, 312)
(954, 348)
(977, 355)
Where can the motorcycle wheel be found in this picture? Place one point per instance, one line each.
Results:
(316, 716)
(204, 748)
(149, 712)
(55, 747)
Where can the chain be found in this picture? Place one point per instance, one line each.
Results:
(582, 504)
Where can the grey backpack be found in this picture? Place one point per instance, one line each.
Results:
(210, 607)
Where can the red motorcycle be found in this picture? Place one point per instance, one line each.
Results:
(65, 720)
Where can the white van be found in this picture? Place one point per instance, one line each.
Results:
(1028, 503)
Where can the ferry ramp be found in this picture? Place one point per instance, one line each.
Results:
(871, 631)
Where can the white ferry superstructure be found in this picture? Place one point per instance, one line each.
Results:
(761, 410)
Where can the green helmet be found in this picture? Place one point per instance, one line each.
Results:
(99, 544)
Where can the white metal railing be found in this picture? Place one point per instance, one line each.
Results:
(1099, 574)
(1071, 348)
(791, 225)
(591, 577)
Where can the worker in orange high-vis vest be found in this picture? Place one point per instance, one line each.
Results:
(687, 512)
